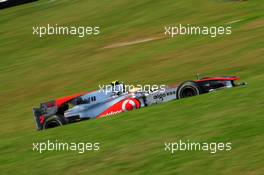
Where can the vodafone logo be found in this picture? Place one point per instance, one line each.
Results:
(122, 106)
(129, 105)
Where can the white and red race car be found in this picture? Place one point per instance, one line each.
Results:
(116, 99)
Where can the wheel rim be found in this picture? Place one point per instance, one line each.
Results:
(188, 92)
(52, 124)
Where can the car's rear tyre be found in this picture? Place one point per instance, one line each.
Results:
(188, 89)
(54, 121)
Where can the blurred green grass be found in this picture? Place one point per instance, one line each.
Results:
(34, 70)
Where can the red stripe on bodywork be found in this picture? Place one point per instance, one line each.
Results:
(218, 79)
(60, 101)
(63, 100)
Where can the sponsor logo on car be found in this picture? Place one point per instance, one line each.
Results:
(122, 106)
(161, 96)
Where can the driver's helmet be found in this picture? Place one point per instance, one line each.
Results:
(118, 87)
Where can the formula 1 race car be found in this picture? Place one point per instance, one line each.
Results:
(114, 99)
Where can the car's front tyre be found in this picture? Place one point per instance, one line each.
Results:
(188, 89)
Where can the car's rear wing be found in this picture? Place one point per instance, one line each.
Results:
(43, 112)
(39, 118)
